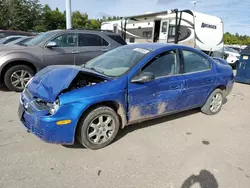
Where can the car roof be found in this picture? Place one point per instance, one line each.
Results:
(14, 36)
(91, 31)
(156, 46)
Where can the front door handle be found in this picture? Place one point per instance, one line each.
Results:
(75, 52)
(105, 50)
(175, 87)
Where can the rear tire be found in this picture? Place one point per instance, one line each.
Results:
(17, 76)
(98, 128)
(214, 103)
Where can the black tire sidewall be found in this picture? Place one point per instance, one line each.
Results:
(9, 72)
(206, 108)
(84, 124)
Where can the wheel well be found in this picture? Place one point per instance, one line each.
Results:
(13, 63)
(117, 107)
(222, 87)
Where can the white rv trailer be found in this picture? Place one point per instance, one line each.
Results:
(195, 29)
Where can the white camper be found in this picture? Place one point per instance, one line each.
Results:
(186, 27)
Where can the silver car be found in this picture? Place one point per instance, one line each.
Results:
(58, 47)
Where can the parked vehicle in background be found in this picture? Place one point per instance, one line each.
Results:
(20, 41)
(186, 27)
(8, 39)
(59, 47)
(233, 56)
(237, 49)
(129, 84)
(6, 33)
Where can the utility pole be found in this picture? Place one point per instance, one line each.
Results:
(68, 14)
(194, 2)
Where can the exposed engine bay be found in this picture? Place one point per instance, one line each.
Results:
(84, 79)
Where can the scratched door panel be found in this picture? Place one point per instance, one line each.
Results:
(163, 95)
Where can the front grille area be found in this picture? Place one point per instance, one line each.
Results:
(38, 132)
(29, 123)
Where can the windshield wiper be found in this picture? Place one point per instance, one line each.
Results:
(21, 44)
(97, 70)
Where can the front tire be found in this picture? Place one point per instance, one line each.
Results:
(16, 77)
(98, 128)
(214, 103)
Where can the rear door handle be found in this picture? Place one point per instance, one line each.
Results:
(105, 50)
(75, 52)
(175, 87)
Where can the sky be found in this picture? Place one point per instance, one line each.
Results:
(234, 13)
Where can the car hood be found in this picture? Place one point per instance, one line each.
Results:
(15, 48)
(52, 80)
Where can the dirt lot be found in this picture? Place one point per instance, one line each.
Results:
(172, 152)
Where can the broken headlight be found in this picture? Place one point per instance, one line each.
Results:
(53, 107)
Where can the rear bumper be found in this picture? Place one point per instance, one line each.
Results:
(229, 88)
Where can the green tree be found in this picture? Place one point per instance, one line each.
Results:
(19, 14)
(79, 20)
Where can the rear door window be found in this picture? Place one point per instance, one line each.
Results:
(193, 62)
(117, 39)
(85, 39)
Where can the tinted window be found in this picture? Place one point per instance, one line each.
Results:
(194, 62)
(104, 42)
(147, 34)
(164, 27)
(66, 40)
(91, 40)
(117, 39)
(184, 33)
(163, 65)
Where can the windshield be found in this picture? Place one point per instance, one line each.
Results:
(17, 41)
(118, 61)
(2, 35)
(2, 40)
(38, 39)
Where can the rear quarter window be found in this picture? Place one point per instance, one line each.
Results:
(118, 39)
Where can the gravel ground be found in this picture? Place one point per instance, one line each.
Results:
(185, 150)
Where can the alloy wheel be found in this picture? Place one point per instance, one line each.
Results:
(216, 102)
(20, 78)
(101, 129)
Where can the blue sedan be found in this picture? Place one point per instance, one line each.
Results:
(129, 84)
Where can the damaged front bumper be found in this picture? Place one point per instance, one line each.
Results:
(44, 126)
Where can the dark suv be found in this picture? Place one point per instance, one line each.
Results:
(58, 47)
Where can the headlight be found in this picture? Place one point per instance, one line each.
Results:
(53, 107)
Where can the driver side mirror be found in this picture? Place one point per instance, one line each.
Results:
(144, 77)
(51, 45)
